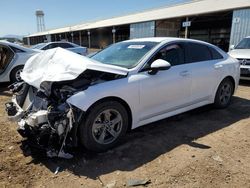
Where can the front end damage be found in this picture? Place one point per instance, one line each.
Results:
(40, 106)
(48, 124)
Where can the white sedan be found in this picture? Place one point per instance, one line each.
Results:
(62, 44)
(12, 60)
(67, 97)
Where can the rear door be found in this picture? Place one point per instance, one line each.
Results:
(204, 72)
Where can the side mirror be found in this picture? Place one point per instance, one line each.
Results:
(231, 47)
(159, 65)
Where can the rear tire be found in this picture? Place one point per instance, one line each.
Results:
(104, 126)
(15, 74)
(224, 94)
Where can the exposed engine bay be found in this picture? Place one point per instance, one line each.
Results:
(45, 118)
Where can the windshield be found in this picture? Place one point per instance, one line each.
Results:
(244, 44)
(124, 54)
(39, 46)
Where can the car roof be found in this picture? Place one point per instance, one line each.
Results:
(57, 42)
(164, 40)
(150, 39)
(46, 43)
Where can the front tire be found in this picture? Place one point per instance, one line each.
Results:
(224, 94)
(104, 126)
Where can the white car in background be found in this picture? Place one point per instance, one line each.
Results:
(67, 98)
(66, 45)
(242, 53)
(12, 60)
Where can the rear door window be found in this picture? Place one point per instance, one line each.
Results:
(50, 46)
(65, 45)
(197, 52)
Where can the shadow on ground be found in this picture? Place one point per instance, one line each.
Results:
(146, 143)
(245, 83)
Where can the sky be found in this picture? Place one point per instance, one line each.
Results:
(18, 16)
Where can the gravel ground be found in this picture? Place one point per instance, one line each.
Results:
(201, 148)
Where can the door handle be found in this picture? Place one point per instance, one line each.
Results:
(218, 66)
(184, 73)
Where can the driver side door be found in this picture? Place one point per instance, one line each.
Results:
(167, 90)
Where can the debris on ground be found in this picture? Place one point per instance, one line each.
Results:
(217, 158)
(137, 182)
(111, 184)
(57, 170)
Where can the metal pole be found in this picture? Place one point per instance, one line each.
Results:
(89, 39)
(72, 37)
(37, 22)
(28, 41)
(186, 29)
(80, 38)
(113, 31)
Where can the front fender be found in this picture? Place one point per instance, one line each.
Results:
(125, 89)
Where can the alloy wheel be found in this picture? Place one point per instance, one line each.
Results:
(107, 126)
(225, 93)
(18, 75)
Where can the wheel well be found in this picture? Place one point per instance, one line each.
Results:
(232, 80)
(121, 101)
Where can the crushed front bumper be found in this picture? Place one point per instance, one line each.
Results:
(45, 130)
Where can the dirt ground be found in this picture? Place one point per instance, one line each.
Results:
(201, 148)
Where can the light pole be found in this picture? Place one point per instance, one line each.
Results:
(65, 36)
(113, 31)
(72, 37)
(80, 38)
(89, 39)
(186, 29)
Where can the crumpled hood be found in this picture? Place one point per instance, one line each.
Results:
(240, 53)
(61, 65)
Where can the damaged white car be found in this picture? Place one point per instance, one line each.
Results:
(67, 99)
